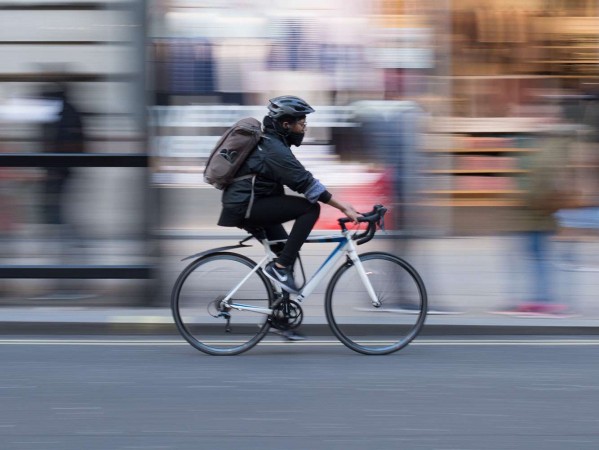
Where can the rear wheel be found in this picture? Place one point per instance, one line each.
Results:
(376, 330)
(199, 315)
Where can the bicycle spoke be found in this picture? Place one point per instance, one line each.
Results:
(203, 319)
(369, 329)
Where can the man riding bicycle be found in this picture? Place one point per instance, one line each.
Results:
(260, 201)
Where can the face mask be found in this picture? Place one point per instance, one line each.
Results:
(294, 138)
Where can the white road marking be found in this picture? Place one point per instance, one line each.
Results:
(309, 342)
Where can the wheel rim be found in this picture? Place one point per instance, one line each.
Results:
(368, 329)
(196, 298)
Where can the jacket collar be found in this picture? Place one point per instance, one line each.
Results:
(273, 134)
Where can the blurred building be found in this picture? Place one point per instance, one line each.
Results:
(518, 69)
(95, 51)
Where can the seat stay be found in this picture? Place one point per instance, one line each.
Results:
(242, 282)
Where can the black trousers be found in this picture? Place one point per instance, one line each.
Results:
(271, 212)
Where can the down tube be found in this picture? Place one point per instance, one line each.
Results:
(323, 270)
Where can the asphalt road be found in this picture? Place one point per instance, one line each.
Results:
(114, 393)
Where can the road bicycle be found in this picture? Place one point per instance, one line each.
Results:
(375, 303)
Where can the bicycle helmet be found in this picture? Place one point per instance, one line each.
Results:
(288, 105)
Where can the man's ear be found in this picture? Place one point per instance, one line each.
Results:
(286, 125)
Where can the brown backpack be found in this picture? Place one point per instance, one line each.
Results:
(231, 151)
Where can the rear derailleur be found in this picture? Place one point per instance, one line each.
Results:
(217, 309)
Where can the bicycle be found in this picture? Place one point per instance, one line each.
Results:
(375, 303)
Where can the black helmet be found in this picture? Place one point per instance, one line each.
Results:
(288, 105)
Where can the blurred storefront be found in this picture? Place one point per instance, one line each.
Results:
(519, 69)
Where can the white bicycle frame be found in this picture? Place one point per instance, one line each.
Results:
(345, 246)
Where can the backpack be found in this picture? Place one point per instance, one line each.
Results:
(231, 151)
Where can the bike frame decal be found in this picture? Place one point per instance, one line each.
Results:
(319, 239)
(324, 269)
(339, 247)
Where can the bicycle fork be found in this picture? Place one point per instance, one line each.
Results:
(355, 259)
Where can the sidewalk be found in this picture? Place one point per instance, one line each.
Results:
(470, 276)
(158, 321)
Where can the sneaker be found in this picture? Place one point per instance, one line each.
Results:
(290, 335)
(283, 276)
(536, 310)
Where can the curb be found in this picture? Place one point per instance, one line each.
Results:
(145, 329)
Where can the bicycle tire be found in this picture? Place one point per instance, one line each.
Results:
(195, 296)
(376, 330)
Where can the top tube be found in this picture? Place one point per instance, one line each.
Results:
(319, 239)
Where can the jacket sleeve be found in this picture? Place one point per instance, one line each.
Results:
(317, 192)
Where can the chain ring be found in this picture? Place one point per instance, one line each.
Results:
(287, 315)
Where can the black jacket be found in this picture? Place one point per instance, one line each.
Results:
(275, 166)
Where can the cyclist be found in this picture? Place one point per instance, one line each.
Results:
(260, 201)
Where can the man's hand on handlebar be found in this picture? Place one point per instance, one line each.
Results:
(350, 212)
(346, 209)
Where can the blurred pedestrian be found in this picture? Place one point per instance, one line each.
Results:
(64, 134)
(548, 189)
(61, 133)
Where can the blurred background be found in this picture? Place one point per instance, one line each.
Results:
(476, 122)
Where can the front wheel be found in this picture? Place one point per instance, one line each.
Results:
(369, 329)
(204, 321)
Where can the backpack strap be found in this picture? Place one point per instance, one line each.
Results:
(249, 210)
(247, 177)
(243, 177)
